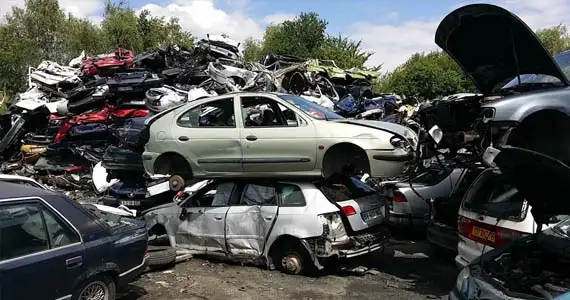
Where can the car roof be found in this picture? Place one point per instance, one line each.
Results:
(15, 190)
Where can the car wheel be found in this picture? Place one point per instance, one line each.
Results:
(176, 183)
(161, 256)
(293, 259)
(96, 288)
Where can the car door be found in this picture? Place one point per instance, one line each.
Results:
(40, 253)
(208, 136)
(279, 140)
(203, 219)
(250, 220)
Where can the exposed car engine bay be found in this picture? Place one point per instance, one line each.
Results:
(531, 268)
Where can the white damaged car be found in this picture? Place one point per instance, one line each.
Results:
(292, 226)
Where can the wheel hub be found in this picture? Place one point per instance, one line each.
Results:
(95, 291)
(176, 183)
(292, 263)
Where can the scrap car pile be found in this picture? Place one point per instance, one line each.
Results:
(483, 174)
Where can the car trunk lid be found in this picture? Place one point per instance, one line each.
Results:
(363, 206)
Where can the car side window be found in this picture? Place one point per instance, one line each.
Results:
(216, 114)
(265, 112)
(29, 228)
(291, 195)
(213, 196)
(59, 234)
(257, 194)
(22, 231)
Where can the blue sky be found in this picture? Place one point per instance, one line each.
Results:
(391, 29)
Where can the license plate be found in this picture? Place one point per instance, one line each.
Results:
(124, 88)
(130, 203)
(371, 214)
(483, 234)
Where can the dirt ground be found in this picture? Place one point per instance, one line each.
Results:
(403, 271)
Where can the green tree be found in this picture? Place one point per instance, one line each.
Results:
(426, 76)
(252, 50)
(555, 39)
(301, 36)
(345, 53)
(121, 27)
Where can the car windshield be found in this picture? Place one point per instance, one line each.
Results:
(314, 110)
(563, 61)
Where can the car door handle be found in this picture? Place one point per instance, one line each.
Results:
(219, 218)
(73, 262)
(268, 218)
(251, 138)
(183, 138)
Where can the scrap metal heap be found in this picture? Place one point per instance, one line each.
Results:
(83, 120)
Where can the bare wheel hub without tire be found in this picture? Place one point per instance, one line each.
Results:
(292, 263)
(96, 290)
(176, 183)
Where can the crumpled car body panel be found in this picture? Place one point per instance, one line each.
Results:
(116, 158)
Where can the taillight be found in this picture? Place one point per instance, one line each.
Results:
(486, 234)
(348, 210)
(399, 198)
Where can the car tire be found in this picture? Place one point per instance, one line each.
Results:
(95, 285)
(161, 256)
(293, 259)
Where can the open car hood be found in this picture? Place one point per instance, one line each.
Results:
(492, 45)
(542, 179)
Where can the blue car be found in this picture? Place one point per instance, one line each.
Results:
(52, 247)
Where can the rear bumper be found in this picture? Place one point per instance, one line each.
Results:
(406, 220)
(148, 159)
(130, 275)
(368, 241)
(443, 236)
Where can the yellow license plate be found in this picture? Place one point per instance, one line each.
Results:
(483, 233)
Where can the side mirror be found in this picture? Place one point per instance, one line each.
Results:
(436, 134)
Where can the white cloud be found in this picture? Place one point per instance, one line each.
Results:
(394, 43)
(202, 17)
(278, 18)
(80, 8)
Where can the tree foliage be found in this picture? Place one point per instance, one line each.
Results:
(305, 36)
(42, 31)
(555, 39)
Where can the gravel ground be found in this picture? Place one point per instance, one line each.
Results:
(403, 271)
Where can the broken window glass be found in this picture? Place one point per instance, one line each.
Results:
(291, 195)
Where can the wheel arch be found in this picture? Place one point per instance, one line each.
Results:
(340, 151)
(172, 162)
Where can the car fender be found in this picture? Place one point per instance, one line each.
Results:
(516, 108)
(108, 267)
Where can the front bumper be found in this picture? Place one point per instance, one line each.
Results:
(138, 204)
(443, 236)
(388, 163)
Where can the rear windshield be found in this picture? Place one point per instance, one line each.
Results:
(341, 188)
(492, 196)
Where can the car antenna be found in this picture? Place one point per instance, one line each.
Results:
(515, 55)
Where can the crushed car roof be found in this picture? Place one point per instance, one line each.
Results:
(542, 179)
(492, 45)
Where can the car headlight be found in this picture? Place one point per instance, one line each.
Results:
(462, 282)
